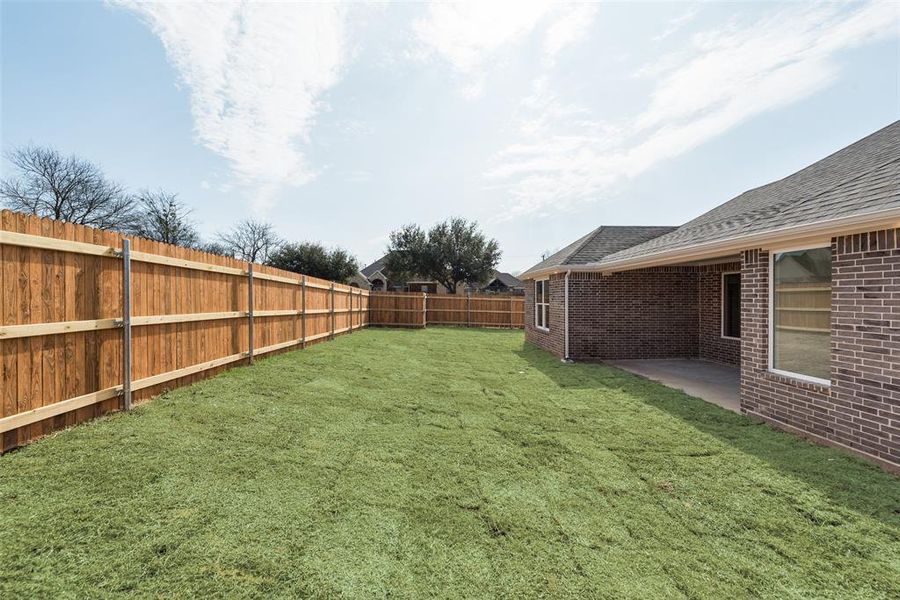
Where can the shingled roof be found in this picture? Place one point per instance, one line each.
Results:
(596, 245)
(861, 179)
(376, 266)
(507, 279)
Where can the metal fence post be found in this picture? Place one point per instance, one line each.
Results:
(510, 312)
(332, 310)
(424, 309)
(126, 324)
(250, 312)
(468, 309)
(303, 314)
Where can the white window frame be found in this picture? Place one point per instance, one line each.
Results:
(538, 305)
(722, 302)
(771, 308)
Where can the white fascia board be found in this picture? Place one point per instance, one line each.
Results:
(806, 233)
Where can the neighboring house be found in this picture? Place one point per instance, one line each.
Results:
(429, 287)
(379, 281)
(797, 282)
(360, 281)
(376, 276)
(503, 283)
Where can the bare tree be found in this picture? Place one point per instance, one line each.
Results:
(70, 189)
(251, 240)
(215, 248)
(164, 218)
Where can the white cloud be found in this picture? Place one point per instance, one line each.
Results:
(359, 176)
(543, 110)
(677, 23)
(256, 75)
(470, 36)
(726, 77)
(465, 34)
(571, 27)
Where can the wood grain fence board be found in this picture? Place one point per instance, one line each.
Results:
(187, 308)
(32, 237)
(60, 349)
(82, 312)
(9, 284)
(32, 311)
(414, 310)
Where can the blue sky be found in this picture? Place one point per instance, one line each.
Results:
(339, 123)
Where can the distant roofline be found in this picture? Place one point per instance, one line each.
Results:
(814, 232)
(698, 240)
(563, 265)
(497, 277)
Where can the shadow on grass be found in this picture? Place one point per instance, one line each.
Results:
(849, 481)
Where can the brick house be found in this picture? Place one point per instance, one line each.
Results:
(377, 278)
(379, 281)
(795, 283)
(500, 283)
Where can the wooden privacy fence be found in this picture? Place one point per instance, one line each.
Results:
(91, 320)
(419, 309)
(803, 307)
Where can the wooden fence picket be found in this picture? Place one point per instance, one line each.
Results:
(62, 353)
(69, 350)
(417, 309)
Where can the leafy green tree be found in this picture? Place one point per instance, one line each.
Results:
(215, 248)
(314, 259)
(452, 252)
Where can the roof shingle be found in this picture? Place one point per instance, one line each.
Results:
(863, 177)
(598, 244)
(507, 279)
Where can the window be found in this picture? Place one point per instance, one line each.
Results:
(800, 313)
(731, 305)
(542, 304)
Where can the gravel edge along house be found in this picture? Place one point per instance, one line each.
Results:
(796, 282)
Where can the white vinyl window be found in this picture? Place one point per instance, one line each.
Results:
(542, 304)
(800, 314)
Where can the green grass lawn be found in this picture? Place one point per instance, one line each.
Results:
(440, 463)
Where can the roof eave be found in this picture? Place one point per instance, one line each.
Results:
(883, 219)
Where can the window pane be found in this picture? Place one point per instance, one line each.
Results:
(546, 290)
(802, 312)
(731, 305)
(539, 316)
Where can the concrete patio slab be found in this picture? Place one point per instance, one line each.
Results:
(713, 382)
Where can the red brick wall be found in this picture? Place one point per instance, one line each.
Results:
(711, 344)
(865, 344)
(860, 410)
(667, 312)
(676, 312)
(648, 313)
(553, 340)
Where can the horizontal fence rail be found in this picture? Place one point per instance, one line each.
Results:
(389, 309)
(86, 325)
(92, 321)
